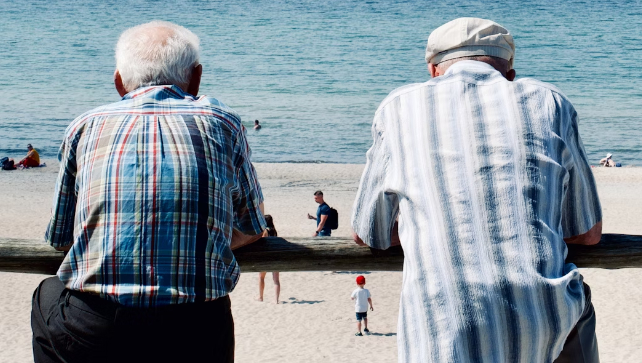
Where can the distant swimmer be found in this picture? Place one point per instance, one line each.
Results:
(256, 125)
(607, 161)
(31, 160)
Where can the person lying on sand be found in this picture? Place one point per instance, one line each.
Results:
(607, 161)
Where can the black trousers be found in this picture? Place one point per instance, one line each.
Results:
(581, 343)
(72, 326)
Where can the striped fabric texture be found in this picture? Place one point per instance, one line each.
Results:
(148, 192)
(486, 177)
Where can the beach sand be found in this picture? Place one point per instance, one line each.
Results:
(316, 321)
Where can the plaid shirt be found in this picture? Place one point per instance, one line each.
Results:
(487, 176)
(148, 192)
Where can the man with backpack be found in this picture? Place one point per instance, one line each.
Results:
(327, 218)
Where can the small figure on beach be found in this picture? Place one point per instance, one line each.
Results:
(362, 299)
(269, 231)
(608, 161)
(150, 261)
(490, 181)
(31, 160)
(257, 126)
(323, 211)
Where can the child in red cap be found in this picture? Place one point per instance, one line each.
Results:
(362, 298)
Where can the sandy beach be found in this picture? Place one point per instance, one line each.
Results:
(316, 321)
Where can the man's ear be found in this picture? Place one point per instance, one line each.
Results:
(434, 72)
(118, 82)
(510, 75)
(195, 80)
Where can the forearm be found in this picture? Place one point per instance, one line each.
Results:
(239, 239)
(64, 248)
(324, 218)
(394, 237)
(591, 237)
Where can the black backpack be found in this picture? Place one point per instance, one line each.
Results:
(333, 219)
(5, 164)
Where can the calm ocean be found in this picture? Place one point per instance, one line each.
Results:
(314, 72)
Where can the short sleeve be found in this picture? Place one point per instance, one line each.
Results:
(325, 210)
(354, 293)
(61, 225)
(375, 207)
(581, 208)
(247, 195)
(368, 291)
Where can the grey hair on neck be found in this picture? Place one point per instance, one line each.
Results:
(500, 64)
(156, 53)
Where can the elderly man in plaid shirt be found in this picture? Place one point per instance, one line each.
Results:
(154, 193)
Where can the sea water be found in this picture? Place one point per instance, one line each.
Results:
(314, 72)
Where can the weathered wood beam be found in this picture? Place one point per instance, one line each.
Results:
(322, 254)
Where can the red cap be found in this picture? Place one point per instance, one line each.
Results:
(361, 280)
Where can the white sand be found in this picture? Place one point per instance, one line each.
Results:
(316, 323)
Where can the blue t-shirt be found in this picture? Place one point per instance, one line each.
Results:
(323, 210)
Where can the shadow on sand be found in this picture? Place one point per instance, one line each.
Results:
(293, 300)
(352, 272)
(383, 334)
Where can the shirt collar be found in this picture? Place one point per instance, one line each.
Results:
(469, 65)
(164, 91)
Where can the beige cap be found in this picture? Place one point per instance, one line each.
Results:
(465, 37)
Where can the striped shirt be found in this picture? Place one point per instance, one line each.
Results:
(148, 192)
(487, 177)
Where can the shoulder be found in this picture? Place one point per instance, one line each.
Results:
(219, 108)
(553, 98)
(400, 93)
(534, 84)
(78, 124)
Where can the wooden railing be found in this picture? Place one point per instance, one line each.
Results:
(322, 254)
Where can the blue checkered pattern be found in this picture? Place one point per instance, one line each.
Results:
(148, 193)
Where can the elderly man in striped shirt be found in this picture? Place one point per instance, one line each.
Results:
(149, 191)
(486, 180)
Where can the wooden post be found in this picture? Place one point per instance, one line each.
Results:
(322, 254)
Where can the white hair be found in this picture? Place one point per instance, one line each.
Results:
(156, 53)
(500, 64)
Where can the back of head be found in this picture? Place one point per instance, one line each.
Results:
(269, 221)
(270, 224)
(465, 37)
(471, 39)
(156, 53)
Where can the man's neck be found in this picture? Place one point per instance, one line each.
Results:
(469, 64)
